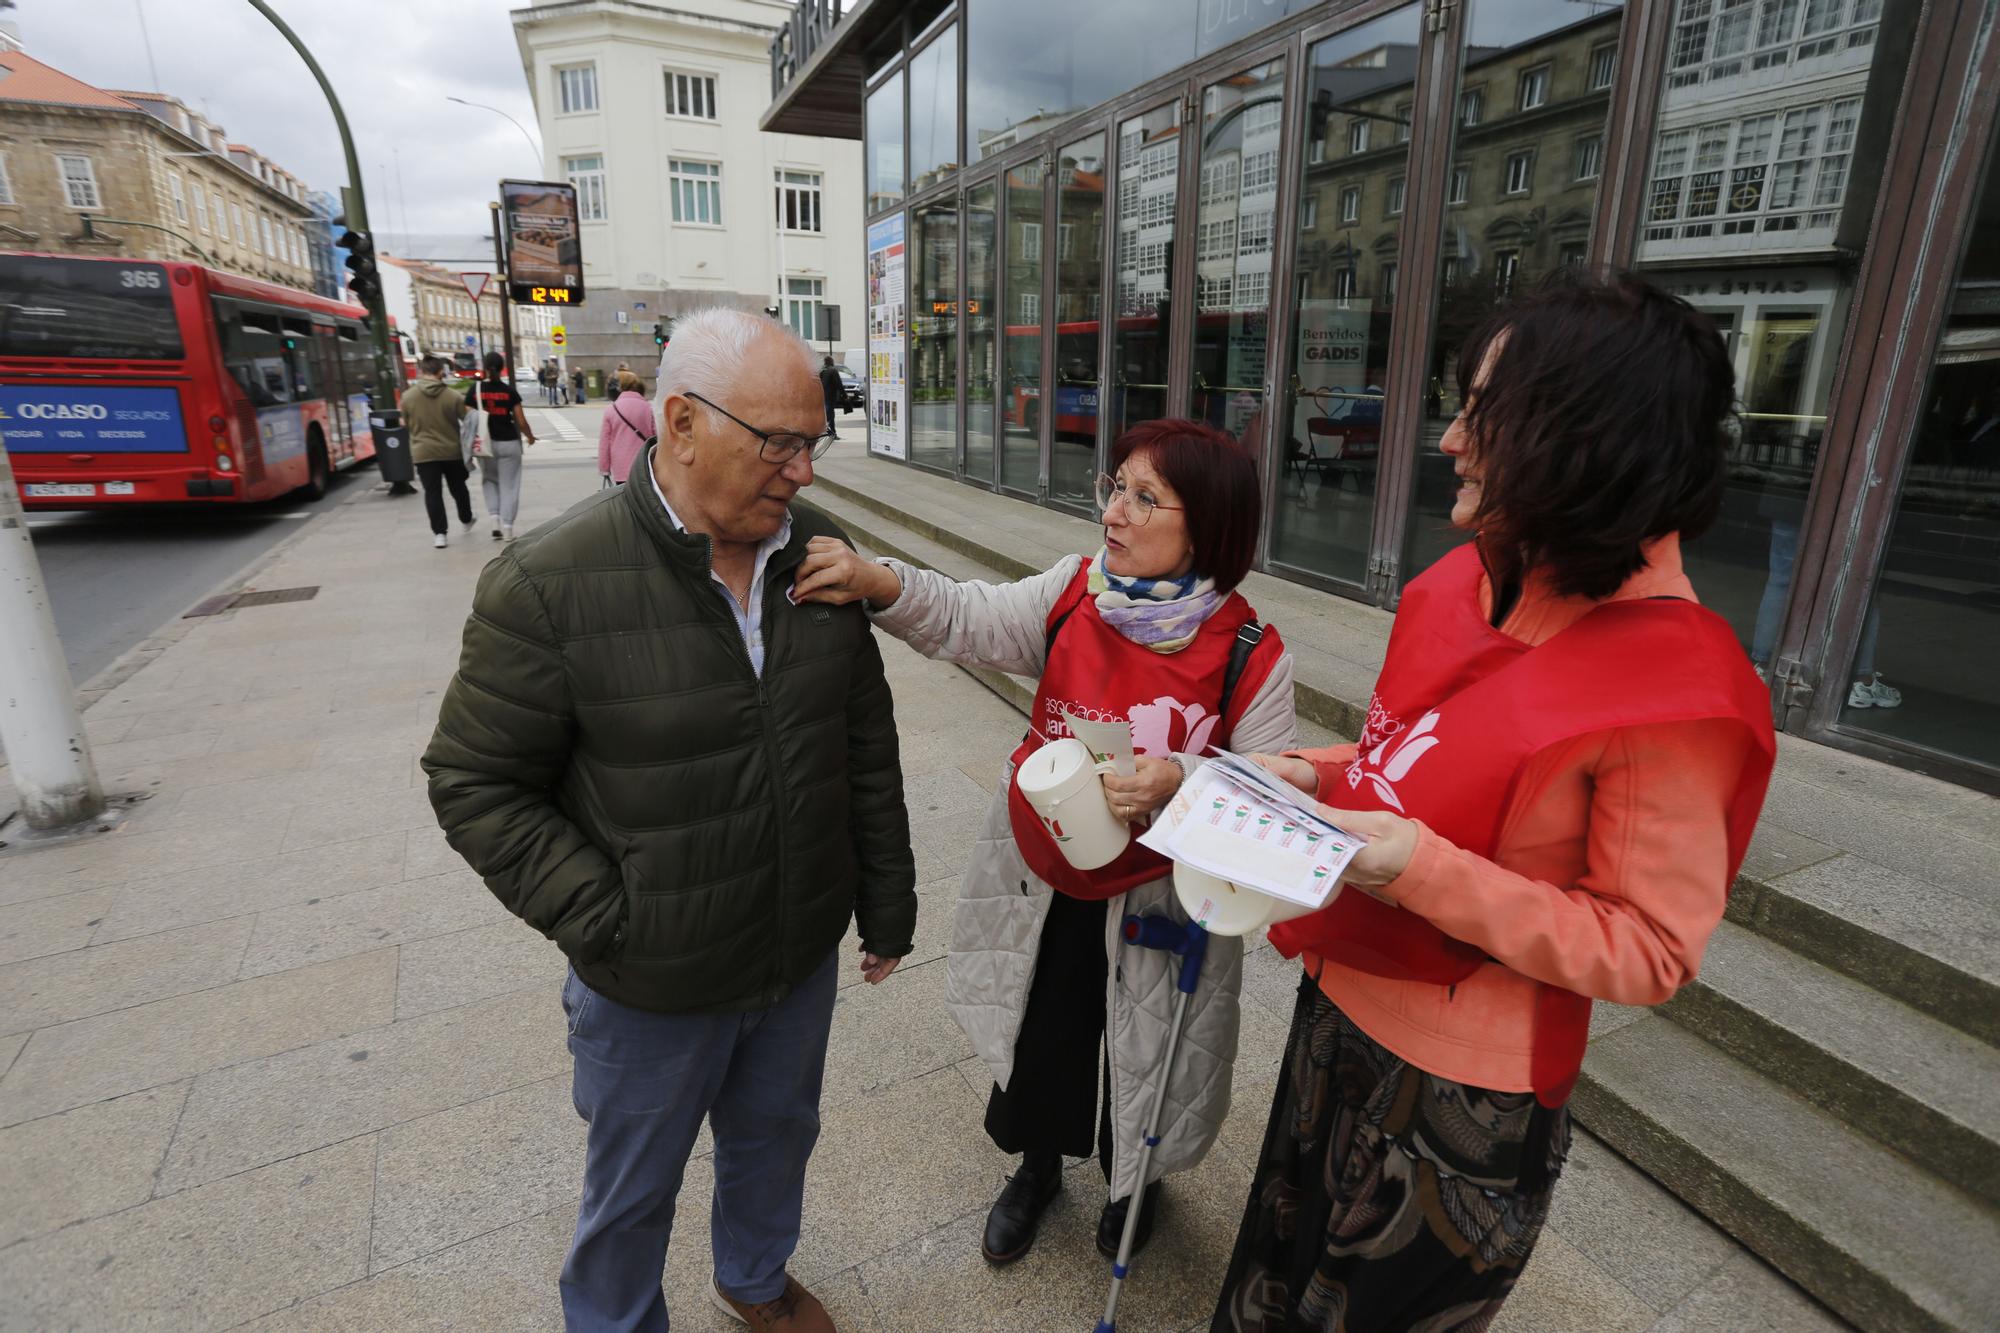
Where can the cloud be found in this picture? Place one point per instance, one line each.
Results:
(429, 165)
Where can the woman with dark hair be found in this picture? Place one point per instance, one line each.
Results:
(1151, 631)
(1558, 776)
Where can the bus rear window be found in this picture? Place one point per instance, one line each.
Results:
(88, 309)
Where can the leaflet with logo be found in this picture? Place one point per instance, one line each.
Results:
(1108, 742)
(1234, 821)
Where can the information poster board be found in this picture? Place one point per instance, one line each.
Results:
(544, 251)
(888, 316)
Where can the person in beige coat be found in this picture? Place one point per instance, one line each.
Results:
(433, 410)
(1149, 630)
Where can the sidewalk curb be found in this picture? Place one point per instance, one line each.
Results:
(141, 654)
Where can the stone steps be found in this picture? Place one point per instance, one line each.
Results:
(1913, 1083)
(1834, 1064)
(1885, 1243)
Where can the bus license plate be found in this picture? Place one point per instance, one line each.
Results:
(60, 489)
(120, 488)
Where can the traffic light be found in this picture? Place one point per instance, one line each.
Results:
(362, 278)
(659, 334)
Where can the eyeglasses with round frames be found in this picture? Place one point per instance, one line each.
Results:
(780, 446)
(1138, 505)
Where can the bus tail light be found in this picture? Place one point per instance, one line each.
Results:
(224, 464)
(216, 423)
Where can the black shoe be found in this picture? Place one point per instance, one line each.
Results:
(1010, 1227)
(1111, 1223)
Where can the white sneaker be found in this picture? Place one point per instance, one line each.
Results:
(438, 541)
(510, 532)
(470, 524)
(496, 529)
(1872, 693)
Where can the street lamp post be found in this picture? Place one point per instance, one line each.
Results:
(535, 147)
(357, 214)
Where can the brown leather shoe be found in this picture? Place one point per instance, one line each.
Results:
(795, 1310)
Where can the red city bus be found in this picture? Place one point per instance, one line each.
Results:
(131, 382)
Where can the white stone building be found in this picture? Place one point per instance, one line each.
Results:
(652, 113)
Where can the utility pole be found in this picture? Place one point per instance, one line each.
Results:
(355, 198)
(506, 294)
(48, 755)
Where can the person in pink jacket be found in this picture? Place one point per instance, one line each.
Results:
(626, 431)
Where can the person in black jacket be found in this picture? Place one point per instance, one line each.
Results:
(691, 784)
(835, 394)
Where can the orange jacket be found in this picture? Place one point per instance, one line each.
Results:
(1610, 875)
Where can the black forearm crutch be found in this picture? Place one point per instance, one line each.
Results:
(1190, 942)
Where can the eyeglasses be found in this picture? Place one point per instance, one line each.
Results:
(780, 446)
(1139, 506)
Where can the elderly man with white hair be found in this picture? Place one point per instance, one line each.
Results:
(691, 784)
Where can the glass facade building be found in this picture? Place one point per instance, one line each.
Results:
(1284, 218)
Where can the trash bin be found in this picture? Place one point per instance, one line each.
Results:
(392, 445)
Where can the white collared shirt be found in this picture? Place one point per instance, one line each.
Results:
(749, 619)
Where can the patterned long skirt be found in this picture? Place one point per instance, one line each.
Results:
(1385, 1198)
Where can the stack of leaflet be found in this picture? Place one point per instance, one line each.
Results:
(1235, 821)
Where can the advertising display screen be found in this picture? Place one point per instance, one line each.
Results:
(544, 251)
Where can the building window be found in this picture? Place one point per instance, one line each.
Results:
(1389, 284)
(1316, 151)
(798, 200)
(1589, 158)
(1253, 235)
(264, 234)
(1603, 66)
(1448, 272)
(1506, 264)
(586, 176)
(1031, 243)
(1031, 307)
(1395, 201)
(697, 191)
(1217, 240)
(576, 88)
(1309, 213)
(1534, 88)
(1253, 291)
(1403, 113)
(1216, 293)
(802, 298)
(1350, 204)
(1571, 254)
(691, 95)
(1345, 281)
(1521, 171)
(200, 207)
(6, 184)
(1260, 170)
(1471, 106)
(1461, 185)
(1357, 136)
(79, 181)
(242, 232)
(180, 197)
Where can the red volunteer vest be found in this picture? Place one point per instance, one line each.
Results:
(1460, 709)
(1168, 698)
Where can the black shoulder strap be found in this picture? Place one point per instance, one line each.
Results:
(1247, 639)
(1055, 627)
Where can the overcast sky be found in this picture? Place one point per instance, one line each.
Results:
(392, 62)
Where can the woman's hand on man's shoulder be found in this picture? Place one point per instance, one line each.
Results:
(832, 573)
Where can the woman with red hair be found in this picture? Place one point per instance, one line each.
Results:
(1150, 630)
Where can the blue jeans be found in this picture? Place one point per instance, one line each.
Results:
(643, 1082)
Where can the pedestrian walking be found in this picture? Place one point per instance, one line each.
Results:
(507, 436)
(576, 383)
(626, 431)
(434, 411)
(835, 393)
(1151, 630)
(690, 784)
(545, 375)
(1560, 770)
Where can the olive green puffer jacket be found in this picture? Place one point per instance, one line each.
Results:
(694, 838)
